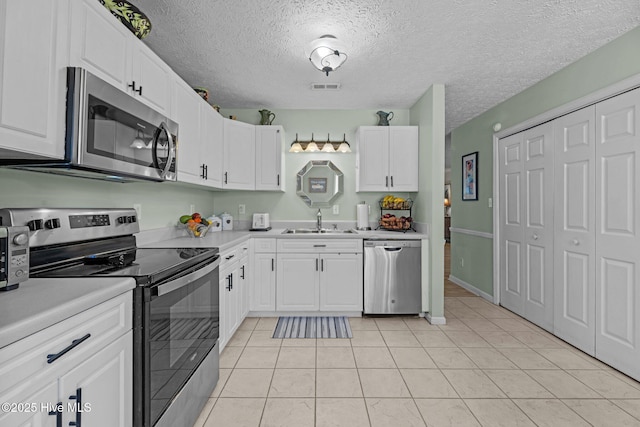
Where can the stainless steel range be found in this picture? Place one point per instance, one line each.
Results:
(176, 304)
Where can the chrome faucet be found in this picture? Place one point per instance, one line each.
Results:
(319, 220)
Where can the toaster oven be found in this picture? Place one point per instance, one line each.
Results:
(14, 257)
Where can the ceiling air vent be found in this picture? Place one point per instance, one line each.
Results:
(325, 86)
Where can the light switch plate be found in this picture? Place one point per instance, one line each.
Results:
(336, 209)
(241, 209)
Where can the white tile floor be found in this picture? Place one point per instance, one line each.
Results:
(485, 367)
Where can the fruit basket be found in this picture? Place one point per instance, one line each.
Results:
(392, 203)
(392, 222)
(195, 225)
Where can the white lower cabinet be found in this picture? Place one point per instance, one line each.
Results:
(234, 289)
(76, 371)
(298, 282)
(263, 266)
(316, 275)
(97, 392)
(341, 282)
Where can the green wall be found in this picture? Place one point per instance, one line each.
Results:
(287, 205)
(611, 63)
(162, 203)
(428, 114)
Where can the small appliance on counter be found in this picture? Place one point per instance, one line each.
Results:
(216, 223)
(362, 216)
(227, 221)
(260, 222)
(14, 257)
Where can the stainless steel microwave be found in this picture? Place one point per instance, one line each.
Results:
(112, 136)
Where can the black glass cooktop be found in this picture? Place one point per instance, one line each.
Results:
(146, 265)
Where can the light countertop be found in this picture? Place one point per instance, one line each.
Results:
(228, 239)
(39, 303)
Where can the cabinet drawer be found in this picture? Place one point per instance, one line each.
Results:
(264, 245)
(25, 362)
(229, 257)
(320, 245)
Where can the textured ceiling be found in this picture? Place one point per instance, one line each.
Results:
(250, 54)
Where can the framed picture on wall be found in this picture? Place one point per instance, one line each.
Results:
(470, 176)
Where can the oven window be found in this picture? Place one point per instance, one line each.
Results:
(184, 327)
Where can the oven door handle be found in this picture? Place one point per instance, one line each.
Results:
(185, 280)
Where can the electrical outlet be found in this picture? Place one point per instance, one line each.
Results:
(336, 209)
(490, 203)
(461, 262)
(138, 209)
(241, 209)
(192, 209)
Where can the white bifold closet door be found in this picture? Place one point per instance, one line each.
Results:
(574, 261)
(526, 255)
(617, 252)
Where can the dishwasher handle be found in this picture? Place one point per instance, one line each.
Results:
(388, 249)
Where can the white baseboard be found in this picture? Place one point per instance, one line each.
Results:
(436, 320)
(471, 288)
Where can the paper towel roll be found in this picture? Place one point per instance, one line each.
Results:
(362, 217)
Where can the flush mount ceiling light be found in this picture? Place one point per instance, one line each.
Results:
(326, 53)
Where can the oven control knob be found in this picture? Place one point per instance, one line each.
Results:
(122, 219)
(35, 224)
(21, 239)
(52, 223)
(131, 219)
(19, 273)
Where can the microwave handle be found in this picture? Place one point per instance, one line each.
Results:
(154, 149)
(189, 278)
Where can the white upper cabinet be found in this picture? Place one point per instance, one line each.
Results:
(106, 48)
(187, 115)
(387, 158)
(32, 80)
(152, 78)
(212, 141)
(200, 137)
(269, 158)
(239, 156)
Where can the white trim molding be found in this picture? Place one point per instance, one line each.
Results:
(472, 289)
(471, 232)
(436, 320)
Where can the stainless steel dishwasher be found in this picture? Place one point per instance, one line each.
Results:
(392, 277)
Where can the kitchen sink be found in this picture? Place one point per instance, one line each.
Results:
(316, 231)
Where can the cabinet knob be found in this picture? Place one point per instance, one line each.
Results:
(535, 237)
(576, 242)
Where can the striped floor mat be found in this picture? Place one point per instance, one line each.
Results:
(313, 327)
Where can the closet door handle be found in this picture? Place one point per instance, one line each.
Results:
(392, 180)
(386, 181)
(278, 180)
(242, 277)
(322, 265)
(273, 267)
(225, 177)
(316, 264)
